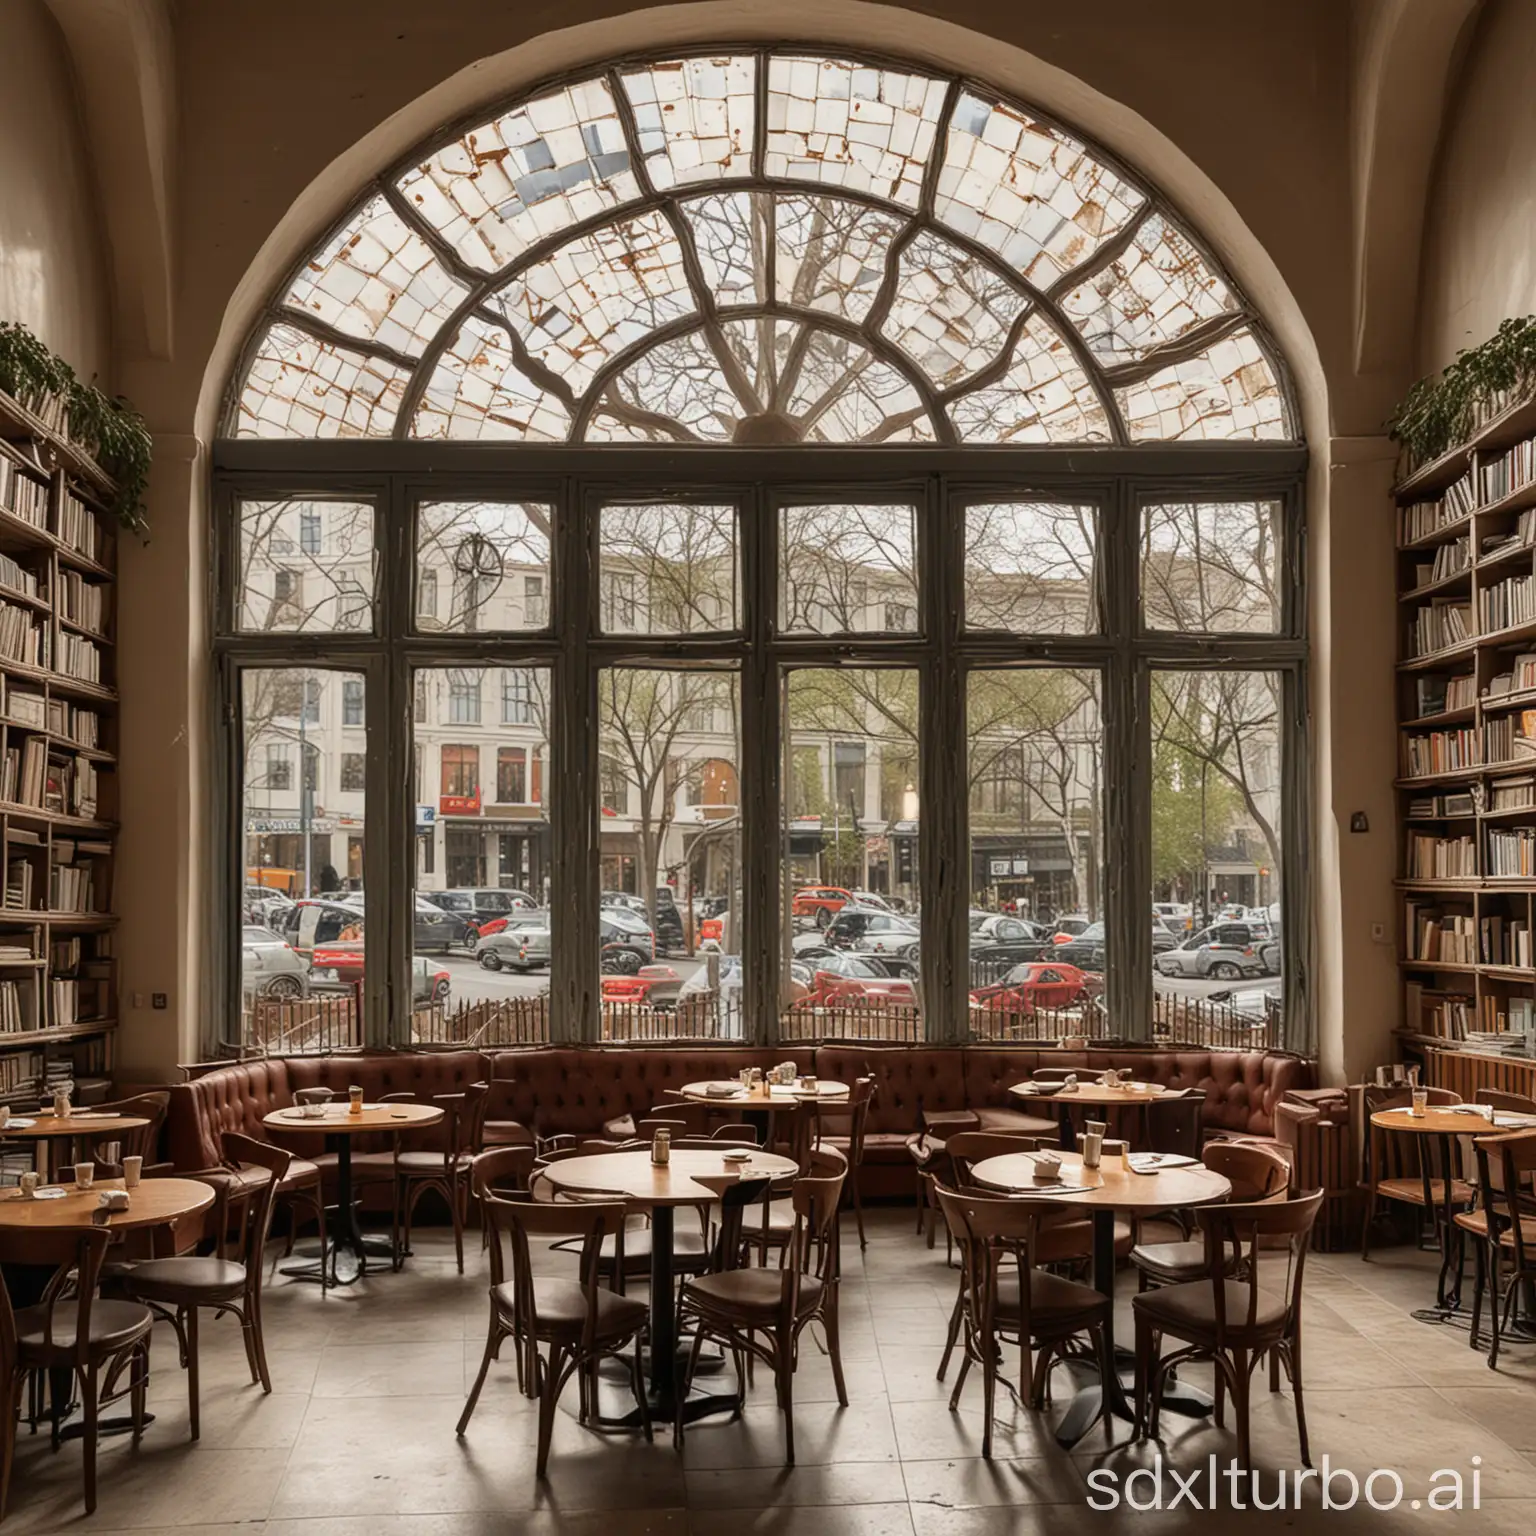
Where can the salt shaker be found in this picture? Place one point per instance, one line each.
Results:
(661, 1148)
(61, 1104)
(1093, 1141)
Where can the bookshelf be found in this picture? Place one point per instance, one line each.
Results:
(58, 760)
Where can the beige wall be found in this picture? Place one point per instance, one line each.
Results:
(1241, 113)
(51, 272)
(1480, 237)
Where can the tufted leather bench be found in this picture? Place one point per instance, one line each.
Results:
(547, 1090)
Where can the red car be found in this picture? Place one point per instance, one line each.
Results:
(821, 902)
(1039, 984)
(652, 986)
(845, 981)
(338, 967)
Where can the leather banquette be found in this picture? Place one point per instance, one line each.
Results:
(547, 1090)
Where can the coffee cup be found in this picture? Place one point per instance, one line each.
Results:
(85, 1175)
(29, 1182)
(133, 1169)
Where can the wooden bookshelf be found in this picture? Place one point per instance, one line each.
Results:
(58, 760)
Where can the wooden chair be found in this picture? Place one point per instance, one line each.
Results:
(446, 1171)
(178, 1288)
(1175, 1122)
(1503, 1230)
(854, 1114)
(1228, 1319)
(761, 1312)
(110, 1148)
(1400, 1168)
(1254, 1172)
(1510, 1103)
(578, 1321)
(77, 1335)
(1007, 1299)
(737, 1133)
(774, 1231)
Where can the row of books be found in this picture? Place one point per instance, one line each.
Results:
(21, 1072)
(1513, 794)
(1440, 695)
(22, 495)
(1521, 676)
(59, 717)
(1504, 941)
(1509, 736)
(23, 636)
(63, 1002)
(1506, 604)
(1423, 518)
(1451, 559)
(1521, 536)
(78, 657)
(1510, 852)
(1442, 1015)
(71, 888)
(86, 957)
(18, 1006)
(1431, 933)
(1515, 467)
(17, 577)
(1497, 1037)
(16, 1158)
(1445, 806)
(78, 526)
(1439, 624)
(82, 602)
(1440, 752)
(1429, 857)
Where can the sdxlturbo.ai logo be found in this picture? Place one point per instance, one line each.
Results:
(1214, 1486)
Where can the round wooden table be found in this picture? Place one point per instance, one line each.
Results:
(1101, 1192)
(348, 1255)
(1092, 1094)
(633, 1177)
(1443, 1124)
(765, 1102)
(45, 1129)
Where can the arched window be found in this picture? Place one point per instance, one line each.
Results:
(851, 430)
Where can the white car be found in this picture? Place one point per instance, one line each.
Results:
(268, 967)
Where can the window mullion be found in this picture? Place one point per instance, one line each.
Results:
(763, 841)
(389, 883)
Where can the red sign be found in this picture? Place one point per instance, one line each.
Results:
(459, 805)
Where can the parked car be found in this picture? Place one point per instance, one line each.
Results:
(1039, 984)
(669, 934)
(523, 917)
(820, 903)
(263, 907)
(521, 943)
(652, 986)
(1000, 927)
(1069, 927)
(627, 941)
(268, 967)
(625, 937)
(480, 905)
(1176, 916)
(339, 967)
(1227, 951)
(850, 981)
(872, 899)
(1084, 948)
(873, 931)
(321, 920)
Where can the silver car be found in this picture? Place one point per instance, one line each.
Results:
(268, 967)
(522, 945)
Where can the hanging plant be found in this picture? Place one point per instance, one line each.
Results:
(110, 430)
(1439, 413)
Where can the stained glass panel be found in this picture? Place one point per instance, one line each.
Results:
(1227, 391)
(1159, 288)
(694, 118)
(673, 393)
(729, 233)
(1044, 397)
(300, 387)
(525, 175)
(478, 391)
(1035, 196)
(843, 393)
(831, 253)
(851, 125)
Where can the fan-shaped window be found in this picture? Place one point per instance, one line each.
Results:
(767, 248)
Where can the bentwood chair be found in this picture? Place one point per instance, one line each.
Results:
(579, 1322)
(80, 1335)
(108, 1149)
(1006, 1298)
(1229, 1318)
(176, 1289)
(446, 1171)
(1503, 1230)
(1255, 1173)
(1509, 1103)
(848, 1121)
(1401, 1169)
(761, 1312)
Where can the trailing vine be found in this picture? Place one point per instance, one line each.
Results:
(108, 429)
(1439, 413)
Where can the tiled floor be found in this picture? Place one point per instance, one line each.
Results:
(357, 1437)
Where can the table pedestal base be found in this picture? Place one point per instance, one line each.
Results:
(348, 1247)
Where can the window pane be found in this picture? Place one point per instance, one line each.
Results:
(305, 566)
(303, 805)
(850, 855)
(1029, 568)
(482, 566)
(1216, 874)
(1212, 566)
(846, 569)
(1037, 946)
(480, 923)
(669, 837)
(668, 569)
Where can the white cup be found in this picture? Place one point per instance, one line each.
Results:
(133, 1167)
(85, 1175)
(29, 1182)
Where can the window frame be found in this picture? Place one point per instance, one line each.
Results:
(940, 481)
